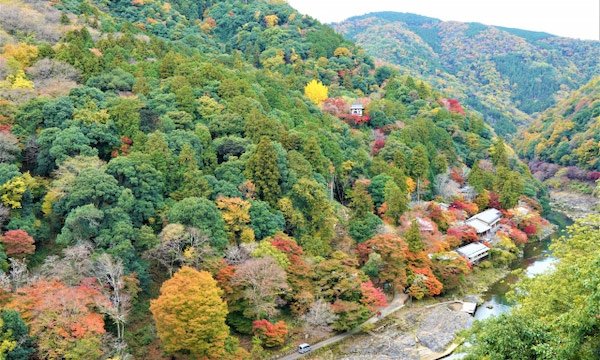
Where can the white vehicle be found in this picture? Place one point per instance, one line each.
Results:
(304, 348)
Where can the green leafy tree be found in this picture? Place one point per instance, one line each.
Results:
(202, 214)
(397, 201)
(413, 237)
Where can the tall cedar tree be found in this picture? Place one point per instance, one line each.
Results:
(262, 169)
(190, 315)
(413, 237)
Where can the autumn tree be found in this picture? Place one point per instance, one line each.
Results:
(236, 214)
(15, 342)
(393, 262)
(262, 169)
(316, 92)
(18, 243)
(190, 315)
(272, 334)
(63, 319)
(262, 282)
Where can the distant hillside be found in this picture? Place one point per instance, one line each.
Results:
(567, 134)
(506, 74)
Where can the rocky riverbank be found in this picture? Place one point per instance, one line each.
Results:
(413, 333)
(574, 205)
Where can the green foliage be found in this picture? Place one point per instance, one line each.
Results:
(203, 215)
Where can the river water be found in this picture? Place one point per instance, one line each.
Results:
(537, 259)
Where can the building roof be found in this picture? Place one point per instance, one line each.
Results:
(489, 216)
(472, 250)
(480, 226)
(425, 225)
(357, 106)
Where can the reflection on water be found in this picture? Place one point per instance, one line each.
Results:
(537, 259)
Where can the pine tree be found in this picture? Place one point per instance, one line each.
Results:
(190, 315)
(413, 237)
(263, 171)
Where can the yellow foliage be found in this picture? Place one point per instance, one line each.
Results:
(316, 92)
(6, 345)
(166, 7)
(23, 53)
(274, 61)
(247, 235)
(271, 20)
(49, 200)
(342, 51)
(411, 185)
(12, 192)
(20, 81)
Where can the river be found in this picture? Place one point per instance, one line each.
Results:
(537, 259)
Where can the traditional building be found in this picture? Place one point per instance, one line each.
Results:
(473, 252)
(485, 223)
(357, 109)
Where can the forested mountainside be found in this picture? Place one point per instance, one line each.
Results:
(562, 143)
(206, 149)
(506, 74)
(568, 133)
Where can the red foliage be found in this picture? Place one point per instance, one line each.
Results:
(495, 201)
(336, 106)
(518, 236)
(5, 128)
(530, 229)
(457, 176)
(372, 297)
(223, 278)
(464, 233)
(271, 334)
(18, 243)
(377, 146)
(356, 120)
(469, 207)
(594, 175)
(453, 105)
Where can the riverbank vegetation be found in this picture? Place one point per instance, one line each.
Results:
(557, 315)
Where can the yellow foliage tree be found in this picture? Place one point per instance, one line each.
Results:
(271, 20)
(19, 81)
(236, 214)
(342, 51)
(316, 92)
(12, 191)
(23, 53)
(190, 315)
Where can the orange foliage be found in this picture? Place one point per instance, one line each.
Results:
(18, 243)
(271, 334)
(424, 283)
(393, 250)
(59, 315)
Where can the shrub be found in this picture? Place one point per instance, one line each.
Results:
(272, 335)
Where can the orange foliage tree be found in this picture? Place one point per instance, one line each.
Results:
(271, 334)
(190, 315)
(63, 319)
(372, 297)
(18, 243)
(393, 251)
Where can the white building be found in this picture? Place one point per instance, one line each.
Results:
(485, 222)
(473, 252)
(357, 109)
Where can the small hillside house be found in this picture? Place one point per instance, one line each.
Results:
(357, 109)
(485, 223)
(473, 252)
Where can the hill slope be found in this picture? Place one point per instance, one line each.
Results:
(567, 134)
(507, 74)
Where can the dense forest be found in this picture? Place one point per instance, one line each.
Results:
(505, 74)
(185, 179)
